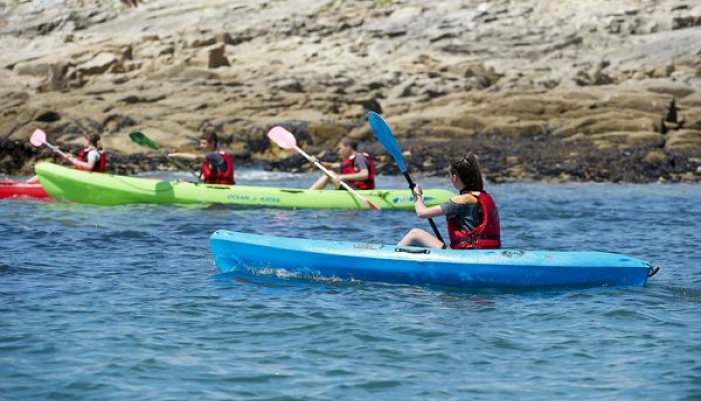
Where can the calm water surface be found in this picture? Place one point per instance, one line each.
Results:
(125, 303)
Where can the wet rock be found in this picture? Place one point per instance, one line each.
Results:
(539, 89)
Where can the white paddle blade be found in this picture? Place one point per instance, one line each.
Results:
(282, 137)
(38, 138)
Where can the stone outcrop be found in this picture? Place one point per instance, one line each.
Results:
(554, 90)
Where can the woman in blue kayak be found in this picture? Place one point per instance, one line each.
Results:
(472, 216)
(356, 168)
(217, 166)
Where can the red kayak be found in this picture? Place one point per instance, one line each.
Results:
(21, 189)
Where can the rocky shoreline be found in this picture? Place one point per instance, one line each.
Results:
(552, 91)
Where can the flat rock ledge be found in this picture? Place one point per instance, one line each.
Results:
(541, 90)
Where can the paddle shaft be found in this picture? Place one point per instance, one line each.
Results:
(412, 185)
(56, 149)
(180, 165)
(318, 165)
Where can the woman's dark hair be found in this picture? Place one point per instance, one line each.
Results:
(468, 169)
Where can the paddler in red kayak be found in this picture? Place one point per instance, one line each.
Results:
(356, 168)
(217, 166)
(91, 158)
(472, 216)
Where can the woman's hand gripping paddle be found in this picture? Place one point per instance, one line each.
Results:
(38, 139)
(385, 136)
(139, 138)
(286, 140)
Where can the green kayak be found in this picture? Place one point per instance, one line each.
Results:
(108, 189)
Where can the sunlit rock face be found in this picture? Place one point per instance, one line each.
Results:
(540, 89)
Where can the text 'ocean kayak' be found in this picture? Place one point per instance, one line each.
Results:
(109, 189)
(260, 254)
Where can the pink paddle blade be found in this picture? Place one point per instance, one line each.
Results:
(38, 138)
(282, 137)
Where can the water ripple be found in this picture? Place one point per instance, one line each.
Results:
(126, 303)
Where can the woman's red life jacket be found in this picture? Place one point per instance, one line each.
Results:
(225, 177)
(348, 167)
(487, 234)
(97, 168)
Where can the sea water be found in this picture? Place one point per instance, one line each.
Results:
(125, 303)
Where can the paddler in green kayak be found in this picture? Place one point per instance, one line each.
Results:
(357, 168)
(217, 166)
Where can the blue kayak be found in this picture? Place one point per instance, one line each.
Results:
(237, 252)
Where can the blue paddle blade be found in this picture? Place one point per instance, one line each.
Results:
(385, 136)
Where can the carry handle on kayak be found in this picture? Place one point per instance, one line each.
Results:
(412, 250)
